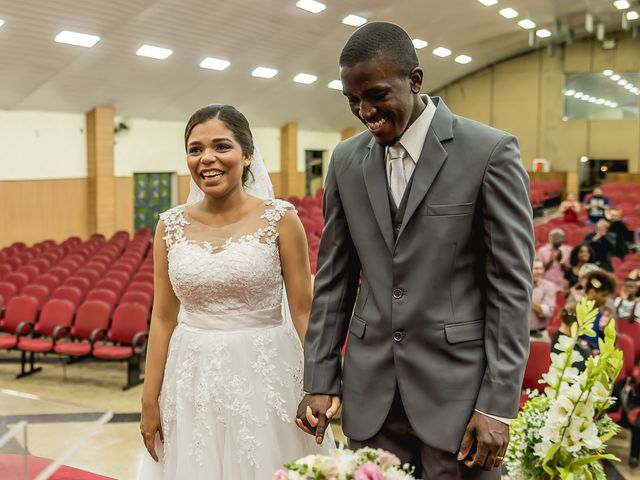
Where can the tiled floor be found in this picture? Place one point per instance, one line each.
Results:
(116, 450)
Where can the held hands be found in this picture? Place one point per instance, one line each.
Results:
(315, 413)
(149, 425)
(490, 438)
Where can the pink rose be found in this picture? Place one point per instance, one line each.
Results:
(281, 475)
(369, 471)
(388, 459)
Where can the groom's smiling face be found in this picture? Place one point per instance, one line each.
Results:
(385, 99)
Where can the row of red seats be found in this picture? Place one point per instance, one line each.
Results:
(310, 212)
(544, 191)
(58, 328)
(96, 280)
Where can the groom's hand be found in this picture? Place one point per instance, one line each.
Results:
(315, 413)
(490, 437)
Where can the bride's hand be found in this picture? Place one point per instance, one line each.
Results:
(315, 413)
(149, 425)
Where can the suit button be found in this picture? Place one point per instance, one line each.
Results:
(398, 335)
(398, 293)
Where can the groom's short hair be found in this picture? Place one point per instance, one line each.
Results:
(380, 38)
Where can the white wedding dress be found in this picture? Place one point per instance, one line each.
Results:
(233, 377)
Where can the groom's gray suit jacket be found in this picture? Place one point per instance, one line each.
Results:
(442, 311)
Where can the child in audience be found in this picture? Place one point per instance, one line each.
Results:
(600, 285)
(568, 318)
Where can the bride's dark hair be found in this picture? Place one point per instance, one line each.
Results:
(234, 120)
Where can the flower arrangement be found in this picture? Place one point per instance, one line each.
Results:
(561, 433)
(343, 464)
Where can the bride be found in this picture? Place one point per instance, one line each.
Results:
(223, 373)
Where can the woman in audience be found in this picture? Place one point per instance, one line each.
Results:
(570, 209)
(600, 285)
(579, 256)
(224, 370)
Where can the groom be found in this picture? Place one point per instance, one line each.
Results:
(428, 233)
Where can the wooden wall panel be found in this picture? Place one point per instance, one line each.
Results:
(623, 177)
(35, 210)
(100, 151)
(183, 188)
(615, 140)
(124, 217)
(471, 97)
(516, 98)
(577, 57)
(560, 142)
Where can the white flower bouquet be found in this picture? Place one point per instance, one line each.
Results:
(343, 464)
(561, 433)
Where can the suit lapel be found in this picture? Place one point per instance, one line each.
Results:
(375, 179)
(432, 158)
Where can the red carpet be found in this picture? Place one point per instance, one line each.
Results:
(13, 466)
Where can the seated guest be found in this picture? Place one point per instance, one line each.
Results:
(600, 285)
(597, 205)
(555, 256)
(603, 243)
(579, 256)
(568, 318)
(577, 291)
(628, 304)
(624, 236)
(543, 302)
(570, 209)
(635, 275)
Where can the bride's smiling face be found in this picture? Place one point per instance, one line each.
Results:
(215, 158)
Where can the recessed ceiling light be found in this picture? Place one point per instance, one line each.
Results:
(629, 86)
(607, 73)
(264, 72)
(442, 52)
(211, 63)
(488, 3)
(1, 22)
(354, 20)
(305, 78)
(527, 24)
(593, 100)
(614, 104)
(463, 59)
(154, 52)
(543, 33)
(419, 43)
(577, 94)
(621, 4)
(311, 6)
(600, 101)
(508, 13)
(569, 93)
(78, 39)
(622, 82)
(615, 77)
(335, 85)
(633, 15)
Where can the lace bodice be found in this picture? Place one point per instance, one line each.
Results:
(228, 270)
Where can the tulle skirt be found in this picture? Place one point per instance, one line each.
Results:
(228, 405)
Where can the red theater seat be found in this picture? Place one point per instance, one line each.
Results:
(92, 320)
(55, 319)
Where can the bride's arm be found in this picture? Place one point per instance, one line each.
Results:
(163, 320)
(294, 257)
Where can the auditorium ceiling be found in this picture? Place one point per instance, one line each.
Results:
(37, 73)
